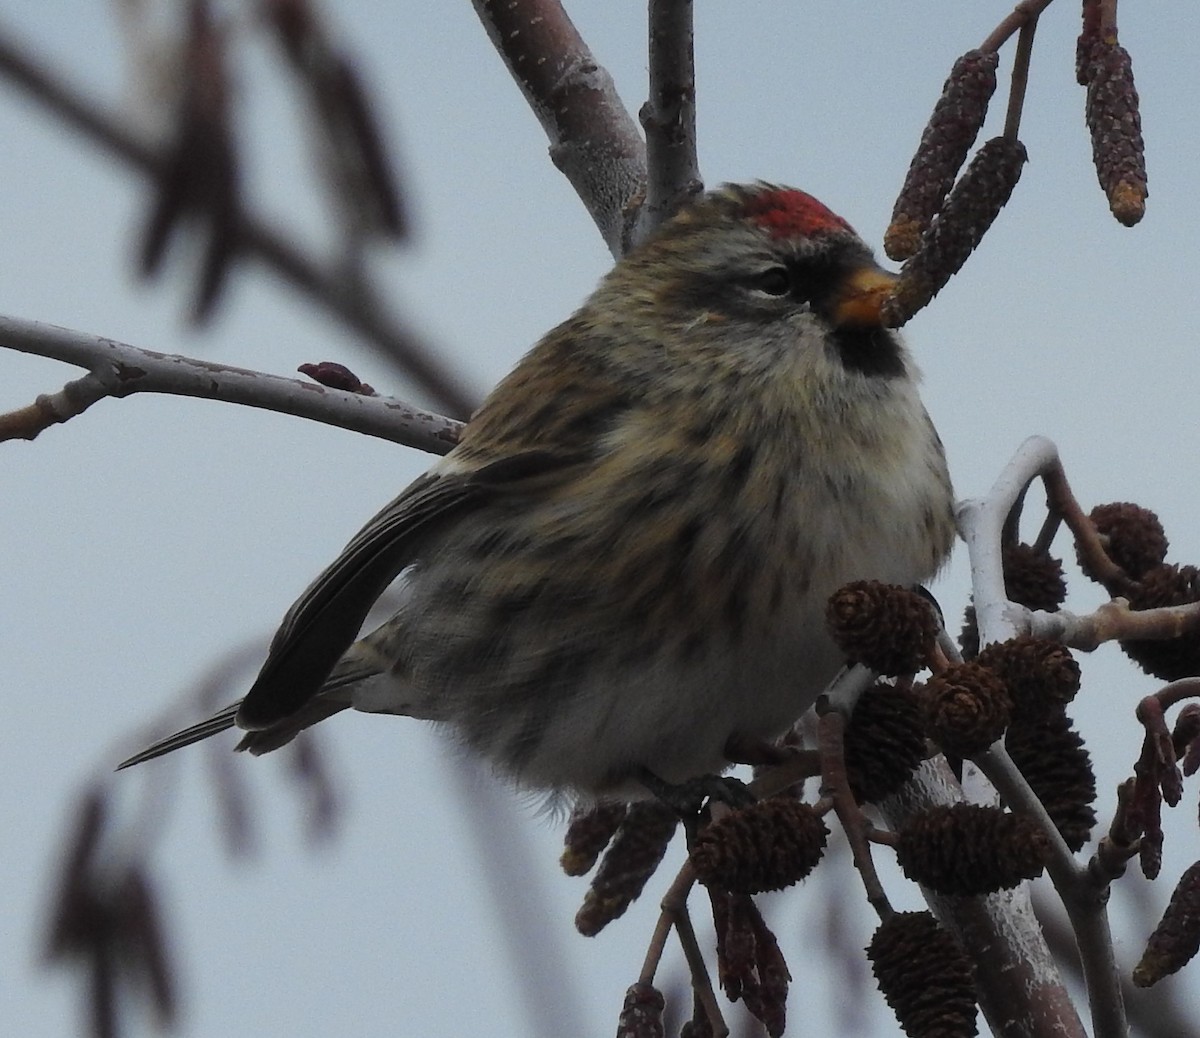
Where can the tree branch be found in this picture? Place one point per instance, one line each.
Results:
(669, 116)
(1084, 899)
(1019, 988)
(120, 370)
(594, 141)
(1115, 621)
(349, 298)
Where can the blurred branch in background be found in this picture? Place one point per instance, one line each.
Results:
(345, 292)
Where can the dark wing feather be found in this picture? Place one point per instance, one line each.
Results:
(219, 722)
(326, 619)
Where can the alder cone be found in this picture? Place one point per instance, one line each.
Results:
(1136, 540)
(969, 849)
(1173, 658)
(925, 977)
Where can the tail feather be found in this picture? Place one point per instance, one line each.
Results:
(334, 695)
(283, 732)
(219, 722)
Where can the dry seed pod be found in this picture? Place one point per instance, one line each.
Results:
(966, 708)
(1115, 123)
(1033, 579)
(1051, 755)
(766, 846)
(1172, 658)
(968, 849)
(888, 628)
(1039, 674)
(642, 1013)
(630, 861)
(1176, 939)
(588, 833)
(924, 976)
(884, 742)
(948, 136)
(1135, 539)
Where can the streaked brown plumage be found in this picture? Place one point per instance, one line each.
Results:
(624, 563)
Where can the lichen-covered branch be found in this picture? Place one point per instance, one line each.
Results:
(594, 140)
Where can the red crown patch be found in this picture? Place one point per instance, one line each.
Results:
(788, 213)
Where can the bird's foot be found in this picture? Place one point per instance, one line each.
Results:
(687, 799)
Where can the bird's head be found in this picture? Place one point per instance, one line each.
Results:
(763, 263)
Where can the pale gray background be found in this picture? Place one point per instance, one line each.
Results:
(142, 540)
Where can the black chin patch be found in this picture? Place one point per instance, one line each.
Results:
(874, 352)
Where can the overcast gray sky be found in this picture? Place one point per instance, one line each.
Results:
(143, 540)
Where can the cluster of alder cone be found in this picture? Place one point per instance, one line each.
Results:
(1017, 691)
(940, 217)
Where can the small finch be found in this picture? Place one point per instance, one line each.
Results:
(621, 570)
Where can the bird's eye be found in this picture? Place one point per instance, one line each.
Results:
(774, 281)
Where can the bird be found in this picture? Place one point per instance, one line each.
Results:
(617, 578)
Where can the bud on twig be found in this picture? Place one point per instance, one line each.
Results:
(948, 136)
(749, 963)
(642, 1013)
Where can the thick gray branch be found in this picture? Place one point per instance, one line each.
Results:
(594, 141)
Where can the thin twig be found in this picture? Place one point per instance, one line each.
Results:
(1019, 80)
(831, 727)
(1046, 535)
(669, 116)
(1120, 843)
(674, 915)
(25, 423)
(1060, 500)
(980, 524)
(120, 370)
(1021, 15)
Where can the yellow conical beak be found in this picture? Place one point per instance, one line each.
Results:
(859, 299)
